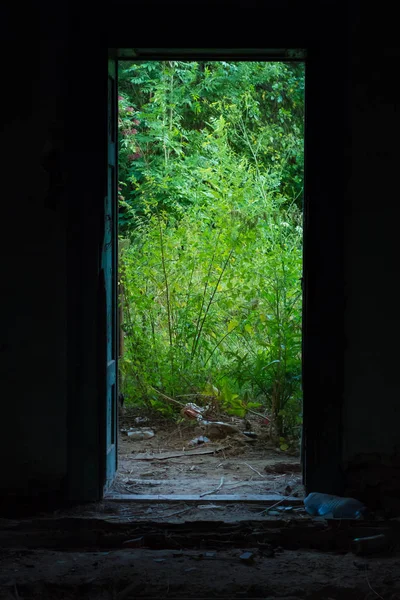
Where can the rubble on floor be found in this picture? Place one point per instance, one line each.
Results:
(184, 459)
(78, 554)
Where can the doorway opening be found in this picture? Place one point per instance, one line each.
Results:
(210, 195)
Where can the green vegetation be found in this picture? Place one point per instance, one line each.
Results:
(210, 195)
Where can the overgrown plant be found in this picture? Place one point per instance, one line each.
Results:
(211, 201)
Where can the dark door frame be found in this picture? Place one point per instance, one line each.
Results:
(323, 280)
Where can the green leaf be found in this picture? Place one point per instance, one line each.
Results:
(232, 325)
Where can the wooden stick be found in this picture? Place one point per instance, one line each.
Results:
(253, 469)
(213, 491)
(179, 454)
(280, 501)
(179, 512)
(233, 486)
(167, 397)
(253, 412)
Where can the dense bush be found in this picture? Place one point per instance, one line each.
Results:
(211, 179)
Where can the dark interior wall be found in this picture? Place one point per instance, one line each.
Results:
(51, 342)
(52, 200)
(52, 337)
(33, 428)
(372, 324)
(371, 401)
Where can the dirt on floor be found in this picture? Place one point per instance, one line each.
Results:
(126, 550)
(235, 463)
(193, 574)
(203, 549)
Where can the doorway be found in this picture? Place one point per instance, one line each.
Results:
(211, 197)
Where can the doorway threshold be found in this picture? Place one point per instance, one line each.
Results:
(225, 498)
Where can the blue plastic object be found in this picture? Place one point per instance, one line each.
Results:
(334, 507)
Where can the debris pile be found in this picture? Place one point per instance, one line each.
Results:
(213, 430)
(138, 433)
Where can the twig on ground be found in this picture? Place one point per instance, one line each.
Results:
(266, 510)
(239, 484)
(253, 412)
(253, 469)
(17, 596)
(178, 462)
(250, 482)
(179, 512)
(178, 454)
(372, 590)
(214, 491)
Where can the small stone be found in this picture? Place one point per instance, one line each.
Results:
(247, 557)
(287, 491)
(140, 434)
(199, 440)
